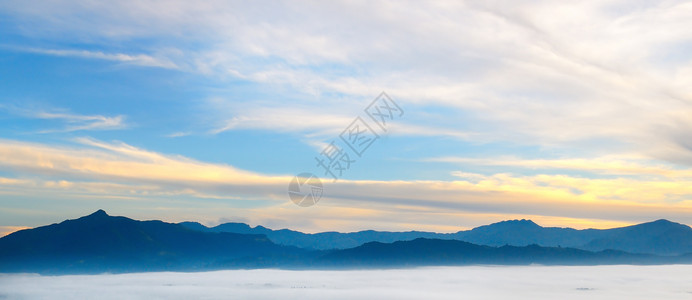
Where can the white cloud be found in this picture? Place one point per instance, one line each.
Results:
(84, 122)
(617, 165)
(137, 59)
(71, 121)
(540, 73)
(178, 134)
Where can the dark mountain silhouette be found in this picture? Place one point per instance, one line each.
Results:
(102, 243)
(427, 252)
(661, 237)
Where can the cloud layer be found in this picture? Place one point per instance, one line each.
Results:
(493, 282)
(546, 72)
(104, 170)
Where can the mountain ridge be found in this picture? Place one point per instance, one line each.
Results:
(98, 240)
(662, 237)
(99, 243)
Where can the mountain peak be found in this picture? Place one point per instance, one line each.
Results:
(658, 223)
(661, 223)
(99, 213)
(513, 227)
(522, 222)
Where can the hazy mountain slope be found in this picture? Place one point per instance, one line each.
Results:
(661, 237)
(320, 241)
(427, 252)
(526, 232)
(99, 243)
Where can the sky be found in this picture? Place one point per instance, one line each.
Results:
(569, 114)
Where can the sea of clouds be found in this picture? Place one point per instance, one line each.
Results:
(473, 282)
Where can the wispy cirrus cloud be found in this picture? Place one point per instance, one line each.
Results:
(70, 121)
(177, 134)
(134, 59)
(83, 122)
(615, 165)
(316, 122)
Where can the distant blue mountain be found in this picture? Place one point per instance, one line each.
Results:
(435, 252)
(526, 232)
(101, 243)
(318, 241)
(661, 237)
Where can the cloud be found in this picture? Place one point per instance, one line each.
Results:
(178, 134)
(316, 122)
(96, 169)
(604, 81)
(137, 59)
(84, 122)
(285, 119)
(121, 162)
(540, 73)
(73, 122)
(599, 165)
(488, 282)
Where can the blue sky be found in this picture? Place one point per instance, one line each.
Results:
(568, 114)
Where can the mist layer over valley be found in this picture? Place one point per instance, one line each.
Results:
(469, 282)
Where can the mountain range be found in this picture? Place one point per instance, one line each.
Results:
(103, 243)
(100, 243)
(660, 237)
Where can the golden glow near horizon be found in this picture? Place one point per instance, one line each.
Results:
(446, 206)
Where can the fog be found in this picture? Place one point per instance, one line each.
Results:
(476, 282)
